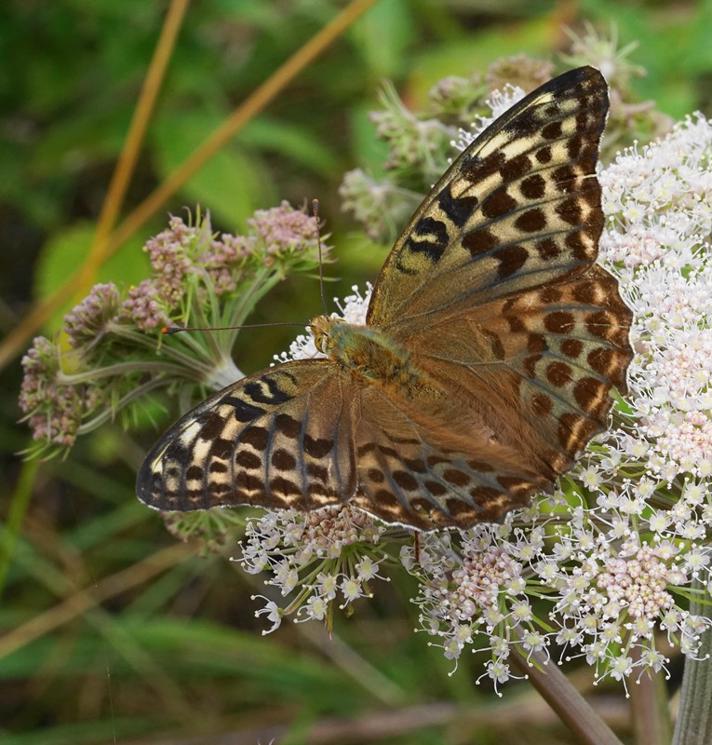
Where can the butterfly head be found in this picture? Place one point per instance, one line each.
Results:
(321, 327)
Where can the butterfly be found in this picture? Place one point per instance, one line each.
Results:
(491, 347)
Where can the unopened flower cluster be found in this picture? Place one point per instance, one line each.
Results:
(111, 352)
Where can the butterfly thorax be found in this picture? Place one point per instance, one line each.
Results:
(367, 353)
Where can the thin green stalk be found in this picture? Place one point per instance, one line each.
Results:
(108, 414)
(167, 349)
(18, 507)
(214, 351)
(120, 368)
(111, 628)
(694, 717)
(261, 284)
(649, 708)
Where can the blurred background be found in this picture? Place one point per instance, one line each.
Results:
(113, 631)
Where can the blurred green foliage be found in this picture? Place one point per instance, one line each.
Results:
(180, 655)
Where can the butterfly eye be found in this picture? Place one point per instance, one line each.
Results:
(320, 327)
(320, 341)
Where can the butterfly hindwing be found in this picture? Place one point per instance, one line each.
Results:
(569, 348)
(541, 363)
(281, 438)
(520, 207)
(418, 467)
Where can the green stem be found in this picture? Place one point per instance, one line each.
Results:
(108, 414)
(649, 708)
(694, 718)
(561, 695)
(260, 285)
(18, 507)
(120, 368)
(225, 373)
(169, 350)
(213, 350)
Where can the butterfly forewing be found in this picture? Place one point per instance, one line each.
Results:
(493, 287)
(519, 208)
(281, 438)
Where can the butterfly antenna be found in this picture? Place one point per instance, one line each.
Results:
(174, 329)
(315, 212)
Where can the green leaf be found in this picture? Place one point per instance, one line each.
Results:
(369, 152)
(68, 249)
(71, 143)
(360, 255)
(382, 36)
(82, 733)
(231, 185)
(291, 142)
(478, 51)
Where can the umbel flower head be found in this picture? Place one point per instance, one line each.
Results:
(317, 558)
(112, 354)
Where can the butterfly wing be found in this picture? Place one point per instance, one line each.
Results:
(545, 360)
(520, 207)
(494, 289)
(416, 469)
(492, 286)
(281, 438)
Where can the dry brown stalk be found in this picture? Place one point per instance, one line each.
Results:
(126, 164)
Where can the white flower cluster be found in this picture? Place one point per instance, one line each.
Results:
(616, 574)
(475, 582)
(639, 507)
(596, 581)
(659, 205)
(319, 556)
(602, 568)
(351, 309)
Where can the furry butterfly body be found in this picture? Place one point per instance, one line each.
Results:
(486, 364)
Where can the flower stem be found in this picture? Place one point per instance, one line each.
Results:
(649, 709)
(570, 706)
(10, 531)
(225, 373)
(109, 414)
(122, 368)
(168, 350)
(694, 718)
